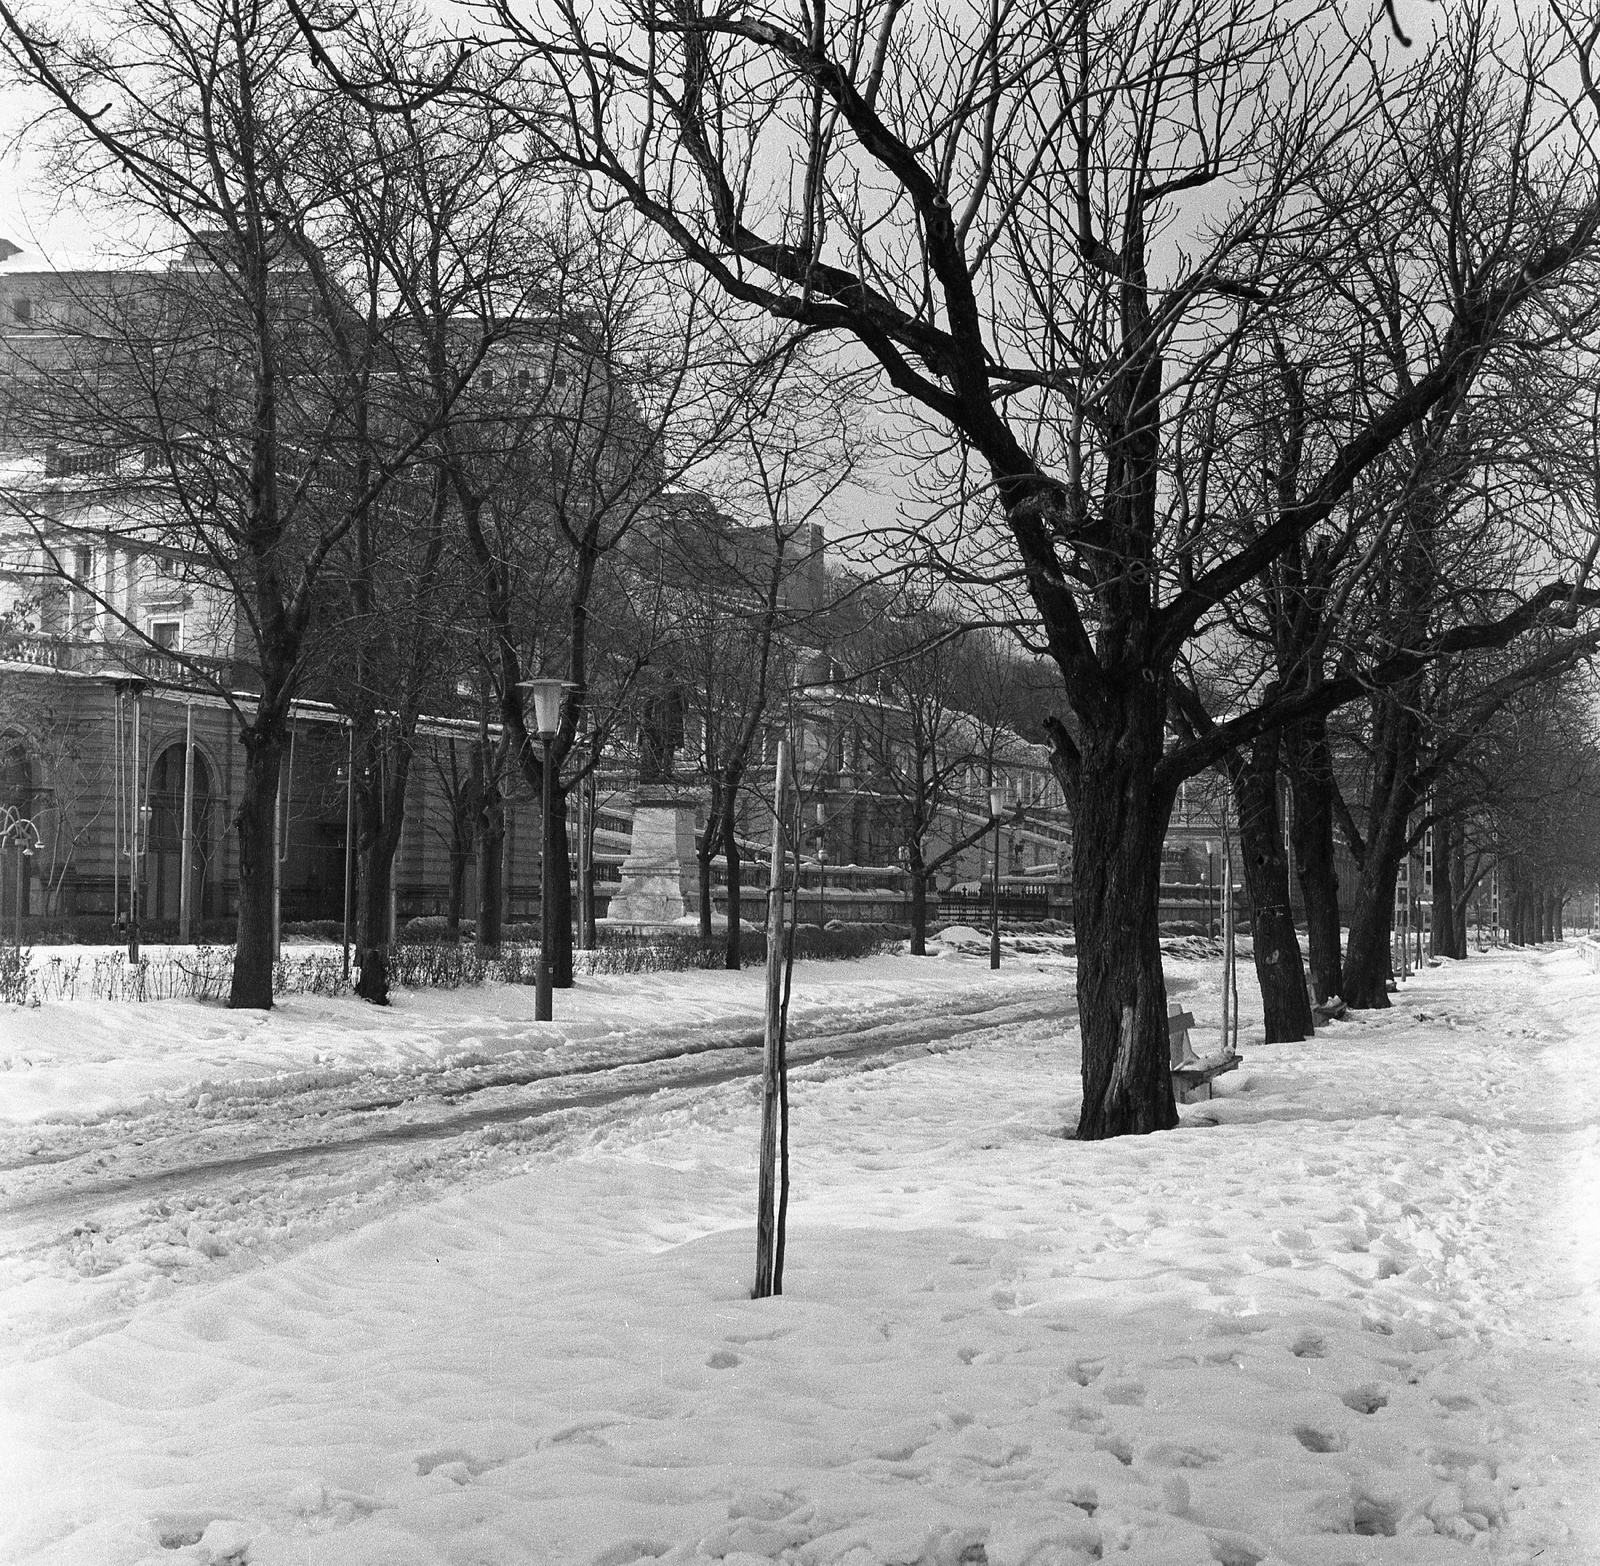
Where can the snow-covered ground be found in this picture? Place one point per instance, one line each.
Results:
(443, 1285)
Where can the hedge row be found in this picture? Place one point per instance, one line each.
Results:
(206, 972)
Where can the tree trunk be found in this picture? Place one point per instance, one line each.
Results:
(561, 903)
(703, 851)
(1311, 839)
(1119, 826)
(375, 861)
(1442, 932)
(1391, 801)
(1366, 961)
(458, 888)
(252, 957)
(380, 814)
(919, 908)
(1279, 972)
(730, 850)
(490, 835)
(1464, 895)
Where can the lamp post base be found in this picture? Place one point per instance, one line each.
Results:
(543, 998)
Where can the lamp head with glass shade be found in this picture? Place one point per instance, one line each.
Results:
(997, 800)
(546, 693)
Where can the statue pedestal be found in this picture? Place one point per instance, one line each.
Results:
(660, 878)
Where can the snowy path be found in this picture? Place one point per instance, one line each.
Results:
(1349, 1313)
(184, 1156)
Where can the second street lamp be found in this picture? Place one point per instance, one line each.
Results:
(997, 803)
(546, 694)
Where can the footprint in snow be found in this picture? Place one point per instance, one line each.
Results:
(454, 1464)
(722, 1359)
(1374, 1518)
(1178, 1454)
(1364, 1400)
(177, 1533)
(1117, 1447)
(1309, 1345)
(1235, 1552)
(1314, 1440)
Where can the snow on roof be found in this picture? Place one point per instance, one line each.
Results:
(17, 261)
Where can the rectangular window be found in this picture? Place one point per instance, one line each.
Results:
(167, 634)
(83, 565)
(22, 311)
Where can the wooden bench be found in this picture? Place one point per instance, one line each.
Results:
(1191, 1074)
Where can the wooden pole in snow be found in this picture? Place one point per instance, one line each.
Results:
(767, 1181)
(1230, 984)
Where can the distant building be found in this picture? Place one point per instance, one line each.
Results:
(111, 626)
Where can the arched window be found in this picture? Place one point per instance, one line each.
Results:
(16, 799)
(164, 866)
(16, 774)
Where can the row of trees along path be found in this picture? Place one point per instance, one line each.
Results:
(1195, 314)
(1003, 212)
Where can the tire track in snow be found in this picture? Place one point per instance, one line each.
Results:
(183, 1159)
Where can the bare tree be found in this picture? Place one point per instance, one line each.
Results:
(1001, 208)
(751, 588)
(228, 404)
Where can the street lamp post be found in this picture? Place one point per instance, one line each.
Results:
(24, 854)
(546, 694)
(997, 803)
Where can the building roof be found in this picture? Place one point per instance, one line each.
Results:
(19, 261)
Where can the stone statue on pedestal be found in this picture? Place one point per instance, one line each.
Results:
(660, 875)
(660, 736)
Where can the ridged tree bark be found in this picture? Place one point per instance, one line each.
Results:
(264, 747)
(1119, 829)
(1310, 770)
(1391, 802)
(1275, 946)
(919, 903)
(1442, 931)
(730, 853)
